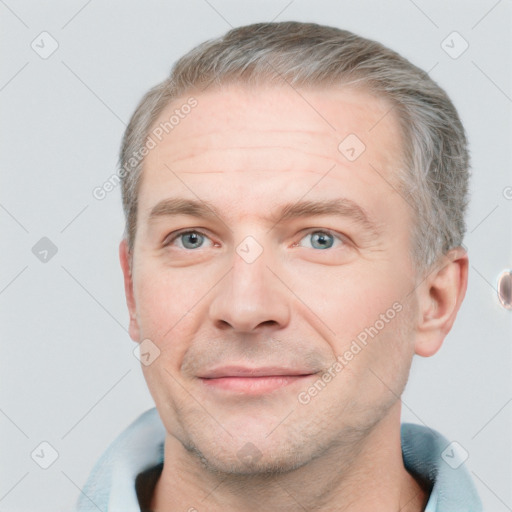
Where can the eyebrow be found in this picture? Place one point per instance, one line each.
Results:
(340, 207)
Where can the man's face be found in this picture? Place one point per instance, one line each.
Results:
(250, 288)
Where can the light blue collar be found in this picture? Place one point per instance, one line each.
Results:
(111, 484)
(428, 454)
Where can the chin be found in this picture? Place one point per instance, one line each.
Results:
(249, 461)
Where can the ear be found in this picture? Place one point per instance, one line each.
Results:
(125, 259)
(439, 298)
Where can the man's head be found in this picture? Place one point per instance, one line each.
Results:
(298, 211)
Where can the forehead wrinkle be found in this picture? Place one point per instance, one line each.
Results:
(190, 157)
(220, 128)
(183, 147)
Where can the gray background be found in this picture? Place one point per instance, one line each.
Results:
(69, 376)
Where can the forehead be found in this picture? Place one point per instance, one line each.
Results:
(246, 149)
(313, 121)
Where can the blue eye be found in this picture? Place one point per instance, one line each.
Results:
(189, 239)
(321, 239)
(192, 239)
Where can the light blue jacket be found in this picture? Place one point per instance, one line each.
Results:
(111, 485)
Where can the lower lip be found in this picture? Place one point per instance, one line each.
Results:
(254, 385)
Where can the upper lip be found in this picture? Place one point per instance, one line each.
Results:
(241, 371)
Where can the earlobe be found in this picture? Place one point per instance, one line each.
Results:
(440, 297)
(125, 260)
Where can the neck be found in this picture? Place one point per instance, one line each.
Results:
(369, 476)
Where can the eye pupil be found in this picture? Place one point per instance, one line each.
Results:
(323, 239)
(192, 238)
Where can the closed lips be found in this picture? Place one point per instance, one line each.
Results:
(236, 371)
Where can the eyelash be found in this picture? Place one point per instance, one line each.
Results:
(168, 241)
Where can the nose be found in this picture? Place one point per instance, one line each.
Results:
(251, 297)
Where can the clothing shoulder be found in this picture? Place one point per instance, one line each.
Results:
(431, 456)
(110, 485)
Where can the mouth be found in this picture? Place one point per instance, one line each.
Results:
(253, 381)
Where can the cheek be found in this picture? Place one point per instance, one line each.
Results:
(165, 306)
(163, 296)
(352, 300)
(366, 310)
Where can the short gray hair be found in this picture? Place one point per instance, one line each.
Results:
(434, 172)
